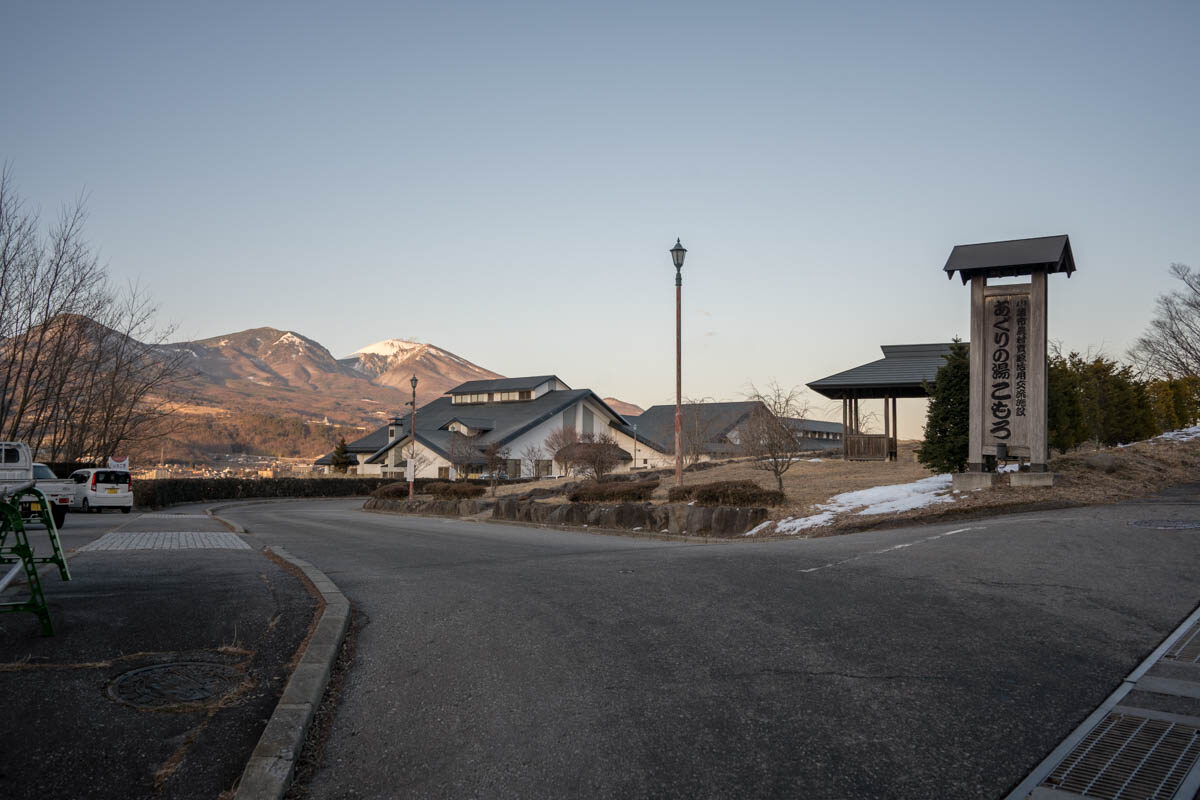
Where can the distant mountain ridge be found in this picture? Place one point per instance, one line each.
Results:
(393, 362)
(284, 372)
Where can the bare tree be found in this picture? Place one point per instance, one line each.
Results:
(464, 453)
(695, 432)
(594, 455)
(82, 370)
(770, 436)
(1170, 347)
(496, 456)
(556, 443)
(532, 457)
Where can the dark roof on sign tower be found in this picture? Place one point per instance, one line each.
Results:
(1010, 258)
(504, 384)
(902, 372)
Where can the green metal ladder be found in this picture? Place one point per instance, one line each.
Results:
(16, 550)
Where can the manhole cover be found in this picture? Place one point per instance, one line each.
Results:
(1167, 524)
(185, 683)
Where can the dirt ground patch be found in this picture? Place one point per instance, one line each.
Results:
(1087, 476)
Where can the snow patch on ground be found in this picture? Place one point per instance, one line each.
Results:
(892, 499)
(1183, 435)
(815, 460)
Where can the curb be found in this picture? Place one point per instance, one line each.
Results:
(268, 773)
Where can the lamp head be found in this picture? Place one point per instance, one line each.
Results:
(677, 254)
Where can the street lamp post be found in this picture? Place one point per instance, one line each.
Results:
(677, 254)
(412, 445)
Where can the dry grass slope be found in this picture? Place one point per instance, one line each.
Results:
(1084, 477)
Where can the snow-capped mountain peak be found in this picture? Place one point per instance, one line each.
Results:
(390, 348)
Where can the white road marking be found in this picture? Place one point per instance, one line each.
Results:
(167, 540)
(890, 549)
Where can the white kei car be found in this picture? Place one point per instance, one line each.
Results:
(98, 489)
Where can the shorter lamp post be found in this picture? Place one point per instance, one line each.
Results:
(677, 254)
(412, 445)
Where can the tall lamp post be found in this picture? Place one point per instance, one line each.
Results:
(677, 254)
(412, 445)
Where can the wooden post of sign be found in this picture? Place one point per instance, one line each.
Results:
(978, 353)
(1038, 377)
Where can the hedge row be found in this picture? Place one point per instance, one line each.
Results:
(593, 492)
(169, 491)
(726, 493)
(444, 490)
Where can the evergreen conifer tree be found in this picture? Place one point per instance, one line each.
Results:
(340, 459)
(947, 422)
(1065, 425)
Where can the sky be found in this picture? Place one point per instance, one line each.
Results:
(504, 180)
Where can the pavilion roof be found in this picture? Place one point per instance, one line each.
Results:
(904, 371)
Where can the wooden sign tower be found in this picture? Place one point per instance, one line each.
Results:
(1008, 354)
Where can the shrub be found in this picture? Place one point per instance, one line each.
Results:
(443, 490)
(726, 493)
(399, 489)
(593, 492)
(169, 491)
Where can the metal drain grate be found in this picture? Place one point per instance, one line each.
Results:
(1128, 757)
(1166, 524)
(1187, 649)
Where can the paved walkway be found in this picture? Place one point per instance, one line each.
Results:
(174, 641)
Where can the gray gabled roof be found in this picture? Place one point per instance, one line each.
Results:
(627, 429)
(712, 421)
(816, 425)
(504, 384)
(902, 372)
(478, 423)
(509, 421)
(1012, 257)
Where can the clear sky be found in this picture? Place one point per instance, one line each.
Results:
(504, 179)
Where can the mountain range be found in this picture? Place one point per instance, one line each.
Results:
(272, 371)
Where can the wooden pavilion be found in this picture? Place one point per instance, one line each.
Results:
(904, 371)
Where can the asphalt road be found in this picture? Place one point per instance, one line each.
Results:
(931, 662)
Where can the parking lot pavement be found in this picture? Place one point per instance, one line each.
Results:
(166, 663)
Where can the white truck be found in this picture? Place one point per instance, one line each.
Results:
(18, 467)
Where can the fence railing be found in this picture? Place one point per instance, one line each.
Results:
(866, 446)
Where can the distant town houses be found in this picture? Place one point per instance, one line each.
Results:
(503, 425)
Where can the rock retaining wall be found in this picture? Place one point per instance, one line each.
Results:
(438, 508)
(716, 521)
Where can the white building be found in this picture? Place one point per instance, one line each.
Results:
(454, 433)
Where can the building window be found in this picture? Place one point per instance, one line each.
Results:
(525, 395)
(466, 399)
(545, 466)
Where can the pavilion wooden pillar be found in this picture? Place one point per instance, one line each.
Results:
(887, 430)
(895, 432)
(845, 426)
